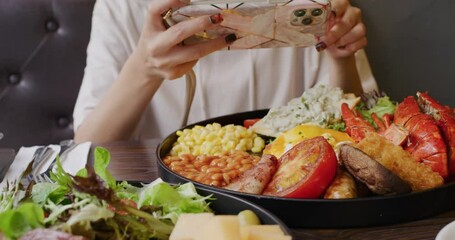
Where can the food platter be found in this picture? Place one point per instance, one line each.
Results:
(321, 213)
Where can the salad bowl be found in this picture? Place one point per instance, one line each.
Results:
(229, 204)
(93, 188)
(325, 213)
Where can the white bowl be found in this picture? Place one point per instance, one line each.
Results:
(447, 232)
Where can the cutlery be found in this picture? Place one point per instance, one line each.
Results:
(38, 162)
(42, 178)
(65, 147)
(36, 155)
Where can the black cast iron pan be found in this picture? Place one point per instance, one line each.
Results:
(321, 213)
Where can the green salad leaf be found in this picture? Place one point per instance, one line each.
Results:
(16, 222)
(93, 204)
(102, 159)
(379, 105)
(174, 200)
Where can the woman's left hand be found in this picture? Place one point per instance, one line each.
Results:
(347, 34)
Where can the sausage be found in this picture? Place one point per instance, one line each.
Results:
(343, 186)
(255, 179)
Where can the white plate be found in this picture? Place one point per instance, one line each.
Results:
(447, 232)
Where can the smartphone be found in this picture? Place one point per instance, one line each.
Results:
(260, 23)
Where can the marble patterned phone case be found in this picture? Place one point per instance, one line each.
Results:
(261, 23)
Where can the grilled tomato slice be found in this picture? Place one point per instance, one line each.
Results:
(247, 123)
(305, 171)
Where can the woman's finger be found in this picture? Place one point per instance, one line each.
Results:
(156, 10)
(185, 29)
(348, 50)
(356, 33)
(343, 25)
(340, 6)
(182, 54)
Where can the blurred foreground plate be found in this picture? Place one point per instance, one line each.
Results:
(447, 232)
(321, 213)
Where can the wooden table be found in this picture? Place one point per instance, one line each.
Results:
(136, 161)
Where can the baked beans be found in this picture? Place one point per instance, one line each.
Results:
(217, 170)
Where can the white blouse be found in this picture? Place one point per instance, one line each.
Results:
(227, 81)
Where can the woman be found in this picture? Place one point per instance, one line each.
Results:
(132, 88)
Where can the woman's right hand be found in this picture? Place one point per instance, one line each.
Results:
(160, 47)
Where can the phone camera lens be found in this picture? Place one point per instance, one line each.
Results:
(316, 12)
(299, 13)
(307, 21)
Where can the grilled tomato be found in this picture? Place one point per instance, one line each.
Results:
(305, 171)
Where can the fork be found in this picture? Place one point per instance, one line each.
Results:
(42, 158)
(43, 178)
(66, 146)
(36, 155)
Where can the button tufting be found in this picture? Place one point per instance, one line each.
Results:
(63, 122)
(51, 25)
(14, 78)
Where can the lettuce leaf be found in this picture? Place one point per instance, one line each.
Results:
(26, 217)
(43, 191)
(94, 195)
(382, 105)
(173, 200)
(102, 159)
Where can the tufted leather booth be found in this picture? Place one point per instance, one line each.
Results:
(42, 57)
(43, 49)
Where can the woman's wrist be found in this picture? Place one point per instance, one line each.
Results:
(344, 74)
(136, 66)
(130, 94)
(342, 62)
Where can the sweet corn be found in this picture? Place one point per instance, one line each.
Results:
(214, 139)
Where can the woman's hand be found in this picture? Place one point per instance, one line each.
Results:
(347, 34)
(158, 56)
(160, 47)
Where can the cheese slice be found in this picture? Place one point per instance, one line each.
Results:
(221, 227)
(188, 226)
(206, 226)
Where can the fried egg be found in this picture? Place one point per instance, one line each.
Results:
(288, 139)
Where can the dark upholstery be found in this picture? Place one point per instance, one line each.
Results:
(43, 47)
(412, 46)
(42, 56)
